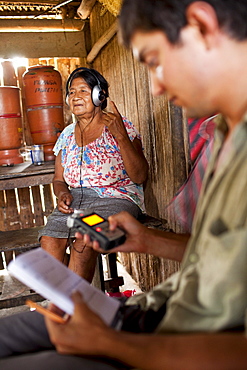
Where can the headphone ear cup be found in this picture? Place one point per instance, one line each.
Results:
(67, 99)
(98, 96)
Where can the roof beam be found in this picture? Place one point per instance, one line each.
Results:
(42, 44)
(40, 25)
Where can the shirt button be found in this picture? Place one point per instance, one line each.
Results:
(193, 257)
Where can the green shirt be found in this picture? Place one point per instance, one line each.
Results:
(209, 293)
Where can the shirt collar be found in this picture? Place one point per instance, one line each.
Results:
(239, 134)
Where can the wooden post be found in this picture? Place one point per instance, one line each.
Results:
(85, 8)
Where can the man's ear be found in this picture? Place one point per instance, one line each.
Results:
(202, 15)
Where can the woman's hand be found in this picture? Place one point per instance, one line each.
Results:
(134, 161)
(64, 202)
(113, 121)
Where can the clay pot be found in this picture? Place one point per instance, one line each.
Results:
(44, 104)
(10, 157)
(11, 132)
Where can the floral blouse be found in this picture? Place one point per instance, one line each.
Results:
(98, 165)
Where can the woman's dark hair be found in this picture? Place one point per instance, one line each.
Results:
(169, 16)
(92, 78)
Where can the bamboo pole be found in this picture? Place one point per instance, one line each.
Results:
(103, 40)
(85, 8)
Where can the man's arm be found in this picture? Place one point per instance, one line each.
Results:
(166, 244)
(141, 239)
(86, 334)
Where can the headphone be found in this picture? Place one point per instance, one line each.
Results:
(97, 94)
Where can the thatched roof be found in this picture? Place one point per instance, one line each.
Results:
(21, 9)
(113, 6)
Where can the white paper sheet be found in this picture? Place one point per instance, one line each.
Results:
(55, 282)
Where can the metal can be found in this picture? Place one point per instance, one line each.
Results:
(37, 154)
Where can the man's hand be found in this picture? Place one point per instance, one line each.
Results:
(84, 333)
(136, 234)
(141, 239)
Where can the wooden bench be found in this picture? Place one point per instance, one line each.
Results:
(20, 240)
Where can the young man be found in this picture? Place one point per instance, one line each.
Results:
(196, 52)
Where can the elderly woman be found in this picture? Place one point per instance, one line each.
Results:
(99, 165)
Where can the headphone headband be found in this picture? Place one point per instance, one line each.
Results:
(98, 95)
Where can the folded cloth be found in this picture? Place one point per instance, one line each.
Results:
(182, 207)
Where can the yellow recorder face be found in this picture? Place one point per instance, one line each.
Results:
(92, 220)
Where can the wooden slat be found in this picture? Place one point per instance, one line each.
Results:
(12, 216)
(2, 211)
(26, 214)
(2, 226)
(37, 204)
(12, 221)
(21, 182)
(26, 170)
(48, 199)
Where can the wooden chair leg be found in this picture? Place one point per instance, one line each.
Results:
(98, 279)
(114, 281)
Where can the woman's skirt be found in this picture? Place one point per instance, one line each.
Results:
(83, 198)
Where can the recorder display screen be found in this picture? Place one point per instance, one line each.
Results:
(92, 220)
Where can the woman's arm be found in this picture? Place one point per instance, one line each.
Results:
(60, 188)
(133, 158)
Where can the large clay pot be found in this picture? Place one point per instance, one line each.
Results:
(44, 105)
(11, 136)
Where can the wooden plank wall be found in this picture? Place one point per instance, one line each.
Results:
(164, 133)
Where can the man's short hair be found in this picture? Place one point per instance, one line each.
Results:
(169, 16)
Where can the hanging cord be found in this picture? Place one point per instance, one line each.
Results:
(75, 249)
(82, 152)
(70, 242)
